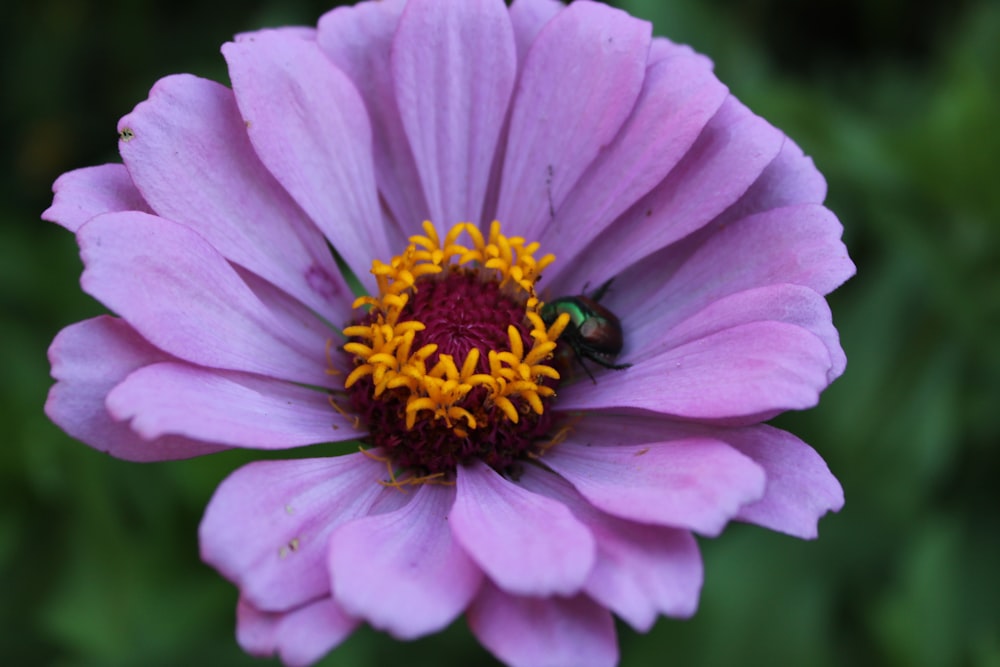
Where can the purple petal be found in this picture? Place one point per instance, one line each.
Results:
(300, 637)
(189, 155)
(230, 408)
(83, 193)
(579, 83)
(697, 483)
(304, 32)
(309, 127)
(729, 155)
(88, 359)
(744, 374)
(662, 48)
(357, 39)
(680, 95)
(526, 543)
(798, 244)
(183, 297)
(293, 314)
(779, 303)
(543, 632)
(528, 17)
(454, 64)
(402, 571)
(800, 487)
(641, 570)
(268, 525)
(790, 179)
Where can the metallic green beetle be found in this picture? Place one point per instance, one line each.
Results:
(593, 332)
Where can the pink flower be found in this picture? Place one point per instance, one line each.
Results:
(496, 478)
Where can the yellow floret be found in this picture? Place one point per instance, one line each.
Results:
(383, 348)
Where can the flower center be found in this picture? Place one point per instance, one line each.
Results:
(451, 358)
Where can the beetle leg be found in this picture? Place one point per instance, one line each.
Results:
(614, 367)
(579, 358)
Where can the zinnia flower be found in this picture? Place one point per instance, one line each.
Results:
(545, 392)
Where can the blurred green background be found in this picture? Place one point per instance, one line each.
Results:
(898, 102)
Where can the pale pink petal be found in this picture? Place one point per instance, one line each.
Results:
(83, 193)
(267, 527)
(579, 83)
(528, 17)
(294, 314)
(88, 359)
(188, 152)
(544, 632)
(790, 179)
(303, 32)
(641, 570)
(696, 483)
(183, 297)
(402, 571)
(662, 48)
(799, 490)
(793, 304)
(358, 39)
(800, 487)
(526, 543)
(727, 158)
(234, 409)
(453, 65)
(741, 375)
(308, 124)
(299, 637)
(679, 96)
(796, 244)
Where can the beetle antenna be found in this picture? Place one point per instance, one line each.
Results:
(600, 291)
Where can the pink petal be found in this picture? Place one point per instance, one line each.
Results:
(295, 315)
(83, 193)
(303, 32)
(543, 632)
(800, 487)
(744, 374)
(190, 156)
(679, 96)
(309, 127)
(526, 543)
(662, 48)
(267, 527)
(88, 359)
(402, 571)
(729, 155)
(697, 483)
(579, 83)
(357, 39)
(797, 244)
(779, 303)
(183, 297)
(790, 179)
(641, 570)
(453, 65)
(231, 408)
(528, 17)
(300, 637)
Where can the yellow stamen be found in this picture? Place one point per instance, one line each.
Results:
(383, 348)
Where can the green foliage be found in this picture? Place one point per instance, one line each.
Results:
(99, 557)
